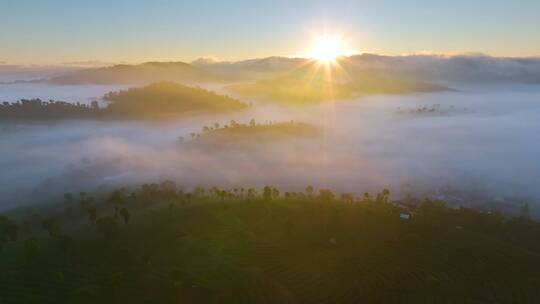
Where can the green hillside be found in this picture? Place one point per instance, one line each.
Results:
(158, 244)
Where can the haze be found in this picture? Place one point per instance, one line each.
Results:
(461, 122)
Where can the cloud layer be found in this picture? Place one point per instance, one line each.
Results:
(485, 139)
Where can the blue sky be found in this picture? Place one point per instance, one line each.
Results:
(54, 31)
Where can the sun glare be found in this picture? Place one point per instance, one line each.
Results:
(327, 49)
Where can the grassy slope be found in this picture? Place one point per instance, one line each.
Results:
(282, 251)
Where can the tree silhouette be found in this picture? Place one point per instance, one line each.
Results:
(386, 195)
(309, 191)
(117, 198)
(367, 198)
(124, 213)
(267, 193)
(53, 227)
(326, 195)
(275, 193)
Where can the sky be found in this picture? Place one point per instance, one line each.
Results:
(72, 31)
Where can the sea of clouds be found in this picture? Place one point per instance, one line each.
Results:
(482, 138)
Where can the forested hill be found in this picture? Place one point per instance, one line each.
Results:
(155, 100)
(253, 132)
(159, 244)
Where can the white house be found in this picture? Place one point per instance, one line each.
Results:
(405, 216)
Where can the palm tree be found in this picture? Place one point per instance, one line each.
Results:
(309, 191)
(117, 198)
(125, 215)
(251, 193)
(267, 193)
(222, 195)
(386, 194)
(275, 193)
(326, 195)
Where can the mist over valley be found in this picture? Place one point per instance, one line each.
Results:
(478, 140)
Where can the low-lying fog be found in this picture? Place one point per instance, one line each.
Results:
(480, 140)
(43, 91)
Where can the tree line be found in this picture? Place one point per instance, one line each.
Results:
(114, 209)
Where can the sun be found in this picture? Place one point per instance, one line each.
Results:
(327, 48)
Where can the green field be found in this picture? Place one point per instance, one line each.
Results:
(239, 246)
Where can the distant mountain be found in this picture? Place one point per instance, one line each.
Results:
(137, 74)
(10, 74)
(251, 69)
(467, 68)
(447, 69)
(419, 68)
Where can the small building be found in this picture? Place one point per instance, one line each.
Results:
(405, 216)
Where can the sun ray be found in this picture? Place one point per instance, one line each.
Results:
(327, 49)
